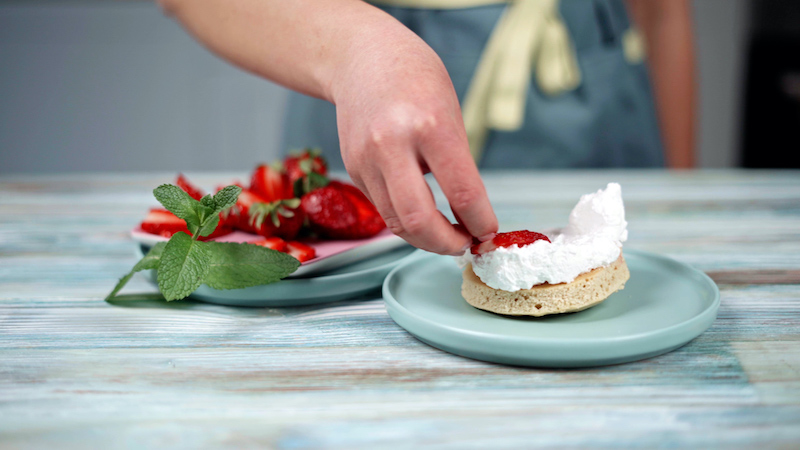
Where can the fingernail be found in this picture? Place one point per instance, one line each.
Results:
(463, 249)
(487, 237)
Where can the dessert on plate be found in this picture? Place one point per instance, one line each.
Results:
(525, 273)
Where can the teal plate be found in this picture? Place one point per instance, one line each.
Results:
(339, 284)
(664, 305)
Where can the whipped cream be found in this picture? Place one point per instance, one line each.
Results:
(593, 238)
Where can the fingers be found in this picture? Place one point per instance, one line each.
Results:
(407, 206)
(451, 163)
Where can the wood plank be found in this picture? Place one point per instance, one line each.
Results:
(78, 372)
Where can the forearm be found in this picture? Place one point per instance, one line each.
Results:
(305, 45)
(396, 110)
(670, 51)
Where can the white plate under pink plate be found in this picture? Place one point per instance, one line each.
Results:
(330, 254)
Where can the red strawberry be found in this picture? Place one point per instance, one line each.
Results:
(300, 251)
(282, 218)
(300, 163)
(238, 215)
(520, 238)
(271, 184)
(370, 221)
(164, 223)
(274, 243)
(341, 211)
(190, 189)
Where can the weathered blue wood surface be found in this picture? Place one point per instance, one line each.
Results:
(78, 372)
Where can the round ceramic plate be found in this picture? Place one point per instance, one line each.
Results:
(664, 305)
(342, 283)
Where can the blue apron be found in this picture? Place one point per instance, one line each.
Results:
(609, 120)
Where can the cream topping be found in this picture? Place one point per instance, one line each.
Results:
(593, 238)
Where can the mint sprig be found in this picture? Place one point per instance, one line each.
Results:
(184, 263)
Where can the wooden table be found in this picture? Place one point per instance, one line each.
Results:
(78, 372)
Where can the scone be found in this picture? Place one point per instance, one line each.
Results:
(564, 270)
(587, 290)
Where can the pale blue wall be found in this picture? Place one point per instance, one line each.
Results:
(100, 85)
(117, 86)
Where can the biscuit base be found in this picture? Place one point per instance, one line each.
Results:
(587, 290)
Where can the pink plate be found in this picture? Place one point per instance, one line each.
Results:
(330, 254)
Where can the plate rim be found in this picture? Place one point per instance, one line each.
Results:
(711, 309)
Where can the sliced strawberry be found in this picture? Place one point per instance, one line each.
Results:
(300, 251)
(164, 223)
(520, 238)
(341, 211)
(274, 243)
(282, 218)
(271, 184)
(190, 189)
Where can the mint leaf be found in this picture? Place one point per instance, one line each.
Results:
(226, 197)
(149, 261)
(222, 201)
(152, 259)
(184, 266)
(209, 225)
(178, 202)
(237, 266)
(208, 201)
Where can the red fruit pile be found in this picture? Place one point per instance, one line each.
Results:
(285, 201)
(520, 238)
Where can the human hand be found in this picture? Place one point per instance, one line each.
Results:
(399, 118)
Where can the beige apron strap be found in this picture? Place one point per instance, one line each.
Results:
(530, 35)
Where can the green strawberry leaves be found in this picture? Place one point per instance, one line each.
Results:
(184, 263)
(311, 182)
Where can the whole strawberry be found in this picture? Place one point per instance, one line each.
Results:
(281, 218)
(300, 163)
(341, 211)
(519, 238)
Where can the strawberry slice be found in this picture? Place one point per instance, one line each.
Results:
(163, 223)
(193, 191)
(520, 238)
(271, 184)
(274, 243)
(300, 251)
